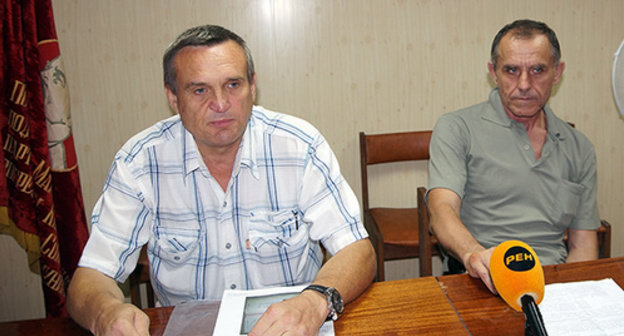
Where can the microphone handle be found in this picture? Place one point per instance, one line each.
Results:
(534, 322)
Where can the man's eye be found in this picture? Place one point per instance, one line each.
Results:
(199, 91)
(511, 70)
(538, 69)
(233, 85)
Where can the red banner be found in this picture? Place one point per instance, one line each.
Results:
(40, 198)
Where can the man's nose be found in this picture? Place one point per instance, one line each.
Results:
(220, 102)
(524, 81)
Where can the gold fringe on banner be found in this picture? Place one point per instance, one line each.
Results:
(28, 241)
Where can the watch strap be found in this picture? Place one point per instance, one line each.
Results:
(333, 313)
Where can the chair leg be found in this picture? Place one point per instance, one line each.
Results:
(150, 295)
(380, 267)
(377, 242)
(424, 235)
(604, 240)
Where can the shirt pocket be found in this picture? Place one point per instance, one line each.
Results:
(176, 245)
(176, 251)
(567, 199)
(273, 230)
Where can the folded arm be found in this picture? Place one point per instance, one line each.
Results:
(95, 302)
(350, 271)
(444, 206)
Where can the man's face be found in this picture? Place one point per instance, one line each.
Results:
(525, 74)
(214, 97)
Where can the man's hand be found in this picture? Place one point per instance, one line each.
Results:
(478, 266)
(96, 303)
(349, 271)
(302, 315)
(121, 319)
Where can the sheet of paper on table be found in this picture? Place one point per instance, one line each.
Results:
(192, 318)
(585, 308)
(240, 309)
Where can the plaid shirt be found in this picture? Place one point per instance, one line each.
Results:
(286, 195)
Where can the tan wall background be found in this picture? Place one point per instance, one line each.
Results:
(346, 66)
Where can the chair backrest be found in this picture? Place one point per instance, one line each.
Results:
(390, 147)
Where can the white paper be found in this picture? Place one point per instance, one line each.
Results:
(192, 318)
(241, 308)
(587, 308)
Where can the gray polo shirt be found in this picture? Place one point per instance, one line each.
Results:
(487, 159)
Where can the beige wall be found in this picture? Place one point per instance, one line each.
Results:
(346, 66)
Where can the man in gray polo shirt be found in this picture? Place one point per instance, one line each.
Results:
(508, 168)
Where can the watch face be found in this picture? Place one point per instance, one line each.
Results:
(337, 301)
(339, 306)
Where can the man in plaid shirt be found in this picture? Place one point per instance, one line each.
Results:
(224, 194)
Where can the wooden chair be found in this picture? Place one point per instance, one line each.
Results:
(141, 276)
(604, 240)
(394, 232)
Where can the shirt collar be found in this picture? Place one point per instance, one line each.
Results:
(246, 153)
(498, 115)
(192, 158)
(554, 125)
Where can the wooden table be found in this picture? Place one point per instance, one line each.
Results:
(403, 307)
(486, 314)
(445, 305)
(66, 326)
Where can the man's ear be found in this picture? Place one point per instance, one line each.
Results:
(172, 98)
(253, 87)
(559, 71)
(492, 72)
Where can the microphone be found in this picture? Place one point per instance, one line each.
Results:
(518, 277)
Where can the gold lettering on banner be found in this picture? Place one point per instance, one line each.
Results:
(52, 279)
(9, 170)
(19, 124)
(23, 182)
(10, 145)
(49, 219)
(19, 93)
(23, 153)
(50, 248)
(19, 150)
(43, 179)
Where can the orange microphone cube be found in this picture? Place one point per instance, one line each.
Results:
(516, 271)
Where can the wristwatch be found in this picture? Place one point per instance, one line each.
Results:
(334, 300)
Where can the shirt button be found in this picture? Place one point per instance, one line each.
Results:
(228, 246)
(176, 258)
(526, 147)
(224, 204)
(233, 286)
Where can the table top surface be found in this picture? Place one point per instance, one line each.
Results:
(403, 307)
(486, 314)
(444, 305)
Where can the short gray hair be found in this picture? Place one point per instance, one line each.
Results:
(207, 35)
(526, 29)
